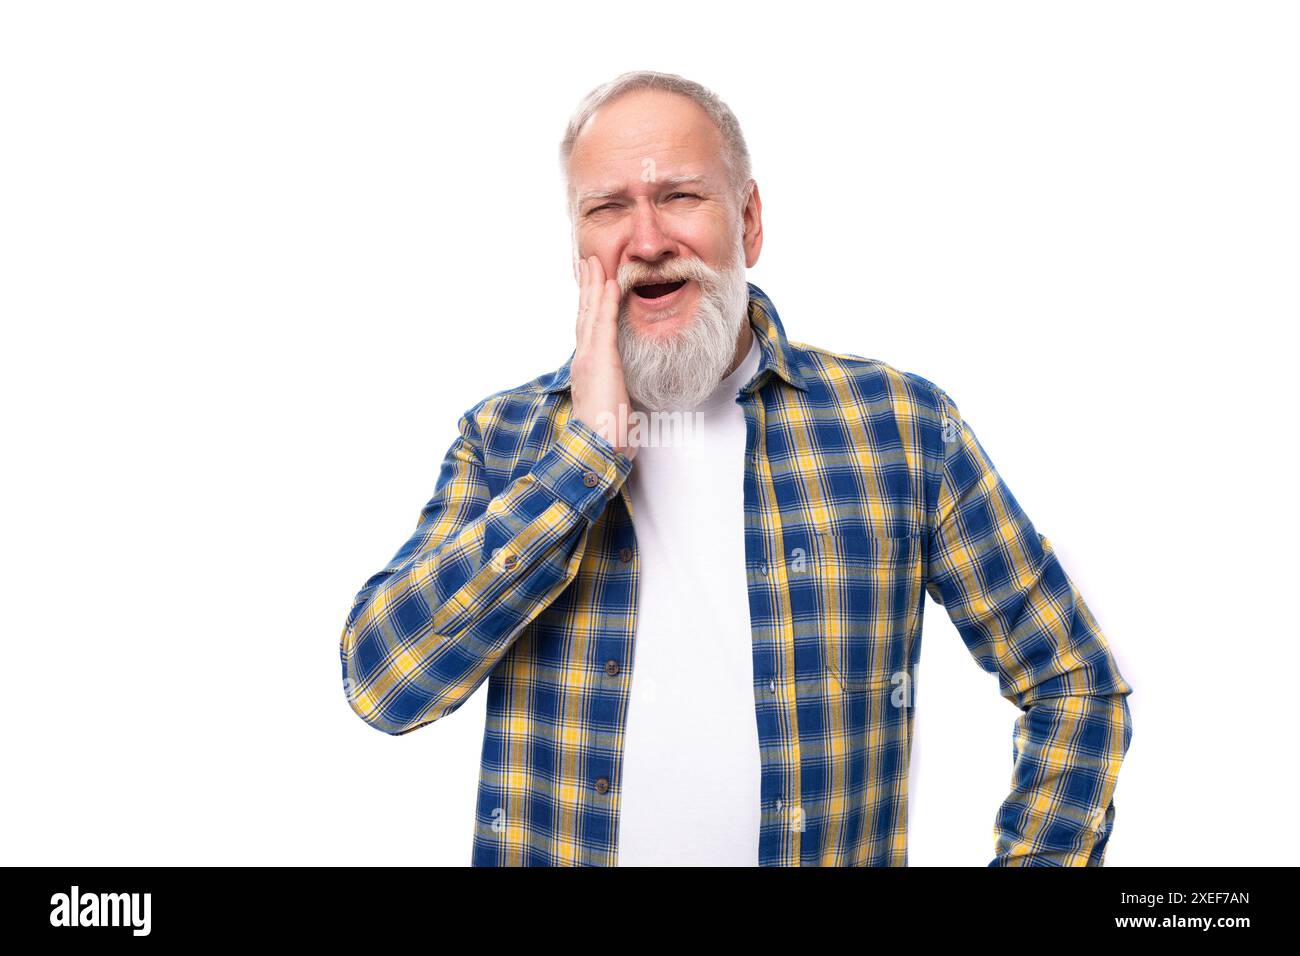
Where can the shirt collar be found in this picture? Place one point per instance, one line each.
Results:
(767, 328)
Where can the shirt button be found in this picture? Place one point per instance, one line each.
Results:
(771, 684)
(510, 561)
(611, 667)
(763, 568)
(602, 785)
(625, 555)
(778, 803)
(591, 479)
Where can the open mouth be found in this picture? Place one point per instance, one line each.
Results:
(657, 290)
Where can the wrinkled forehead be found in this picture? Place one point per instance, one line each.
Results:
(644, 138)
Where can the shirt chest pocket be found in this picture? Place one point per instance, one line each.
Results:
(869, 588)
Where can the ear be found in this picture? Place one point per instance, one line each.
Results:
(752, 217)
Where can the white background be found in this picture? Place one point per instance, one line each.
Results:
(256, 258)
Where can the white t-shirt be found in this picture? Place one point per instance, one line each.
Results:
(691, 768)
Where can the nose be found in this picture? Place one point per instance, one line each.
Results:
(649, 242)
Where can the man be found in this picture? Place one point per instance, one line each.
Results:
(701, 648)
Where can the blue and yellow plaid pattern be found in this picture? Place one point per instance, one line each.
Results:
(864, 490)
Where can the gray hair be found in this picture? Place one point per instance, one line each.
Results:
(736, 153)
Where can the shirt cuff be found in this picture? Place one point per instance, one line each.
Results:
(583, 469)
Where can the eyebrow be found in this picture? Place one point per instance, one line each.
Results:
(667, 181)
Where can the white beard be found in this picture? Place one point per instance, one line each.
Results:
(679, 371)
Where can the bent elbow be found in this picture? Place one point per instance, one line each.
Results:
(387, 719)
(373, 700)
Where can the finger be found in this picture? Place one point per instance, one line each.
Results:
(590, 300)
(604, 333)
(583, 295)
(609, 296)
(596, 274)
(598, 280)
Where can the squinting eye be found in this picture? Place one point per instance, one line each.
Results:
(687, 195)
(599, 208)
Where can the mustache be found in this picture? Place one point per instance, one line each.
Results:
(674, 270)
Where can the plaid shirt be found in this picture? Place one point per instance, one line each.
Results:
(864, 490)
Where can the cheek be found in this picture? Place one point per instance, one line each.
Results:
(706, 238)
(604, 245)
